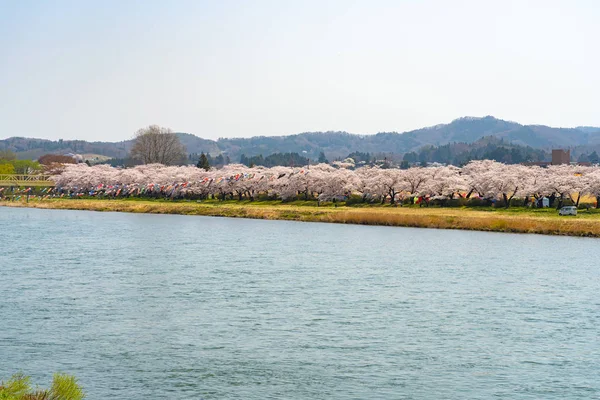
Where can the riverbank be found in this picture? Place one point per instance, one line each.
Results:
(515, 220)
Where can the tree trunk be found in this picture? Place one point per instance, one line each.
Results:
(392, 197)
(560, 202)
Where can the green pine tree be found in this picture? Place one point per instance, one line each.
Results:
(203, 162)
(322, 158)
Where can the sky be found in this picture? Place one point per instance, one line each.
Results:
(100, 70)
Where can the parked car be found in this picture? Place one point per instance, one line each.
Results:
(568, 210)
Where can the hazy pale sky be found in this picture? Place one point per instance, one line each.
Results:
(100, 70)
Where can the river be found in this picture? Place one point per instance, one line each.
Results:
(180, 307)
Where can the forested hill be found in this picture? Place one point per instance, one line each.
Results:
(34, 148)
(487, 148)
(339, 144)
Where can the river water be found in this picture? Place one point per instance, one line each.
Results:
(181, 307)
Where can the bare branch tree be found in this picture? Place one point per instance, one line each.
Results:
(156, 144)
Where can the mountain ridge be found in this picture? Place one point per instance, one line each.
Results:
(339, 143)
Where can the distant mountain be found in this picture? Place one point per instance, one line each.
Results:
(340, 144)
(195, 144)
(462, 130)
(34, 148)
(588, 129)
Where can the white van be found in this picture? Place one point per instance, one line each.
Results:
(568, 210)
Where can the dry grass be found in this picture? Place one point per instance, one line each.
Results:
(513, 220)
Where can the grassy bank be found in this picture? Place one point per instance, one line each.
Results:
(520, 220)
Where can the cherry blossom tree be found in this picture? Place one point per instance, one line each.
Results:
(489, 179)
(414, 180)
(444, 183)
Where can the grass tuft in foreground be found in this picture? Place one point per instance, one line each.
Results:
(18, 387)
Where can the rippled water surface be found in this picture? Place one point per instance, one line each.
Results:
(179, 307)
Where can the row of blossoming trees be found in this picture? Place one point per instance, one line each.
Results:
(485, 179)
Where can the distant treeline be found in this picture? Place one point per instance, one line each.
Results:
(484, 149)
(217, 161)
(10, 165)
(274, 160)
(459, 154)
(591, 158)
